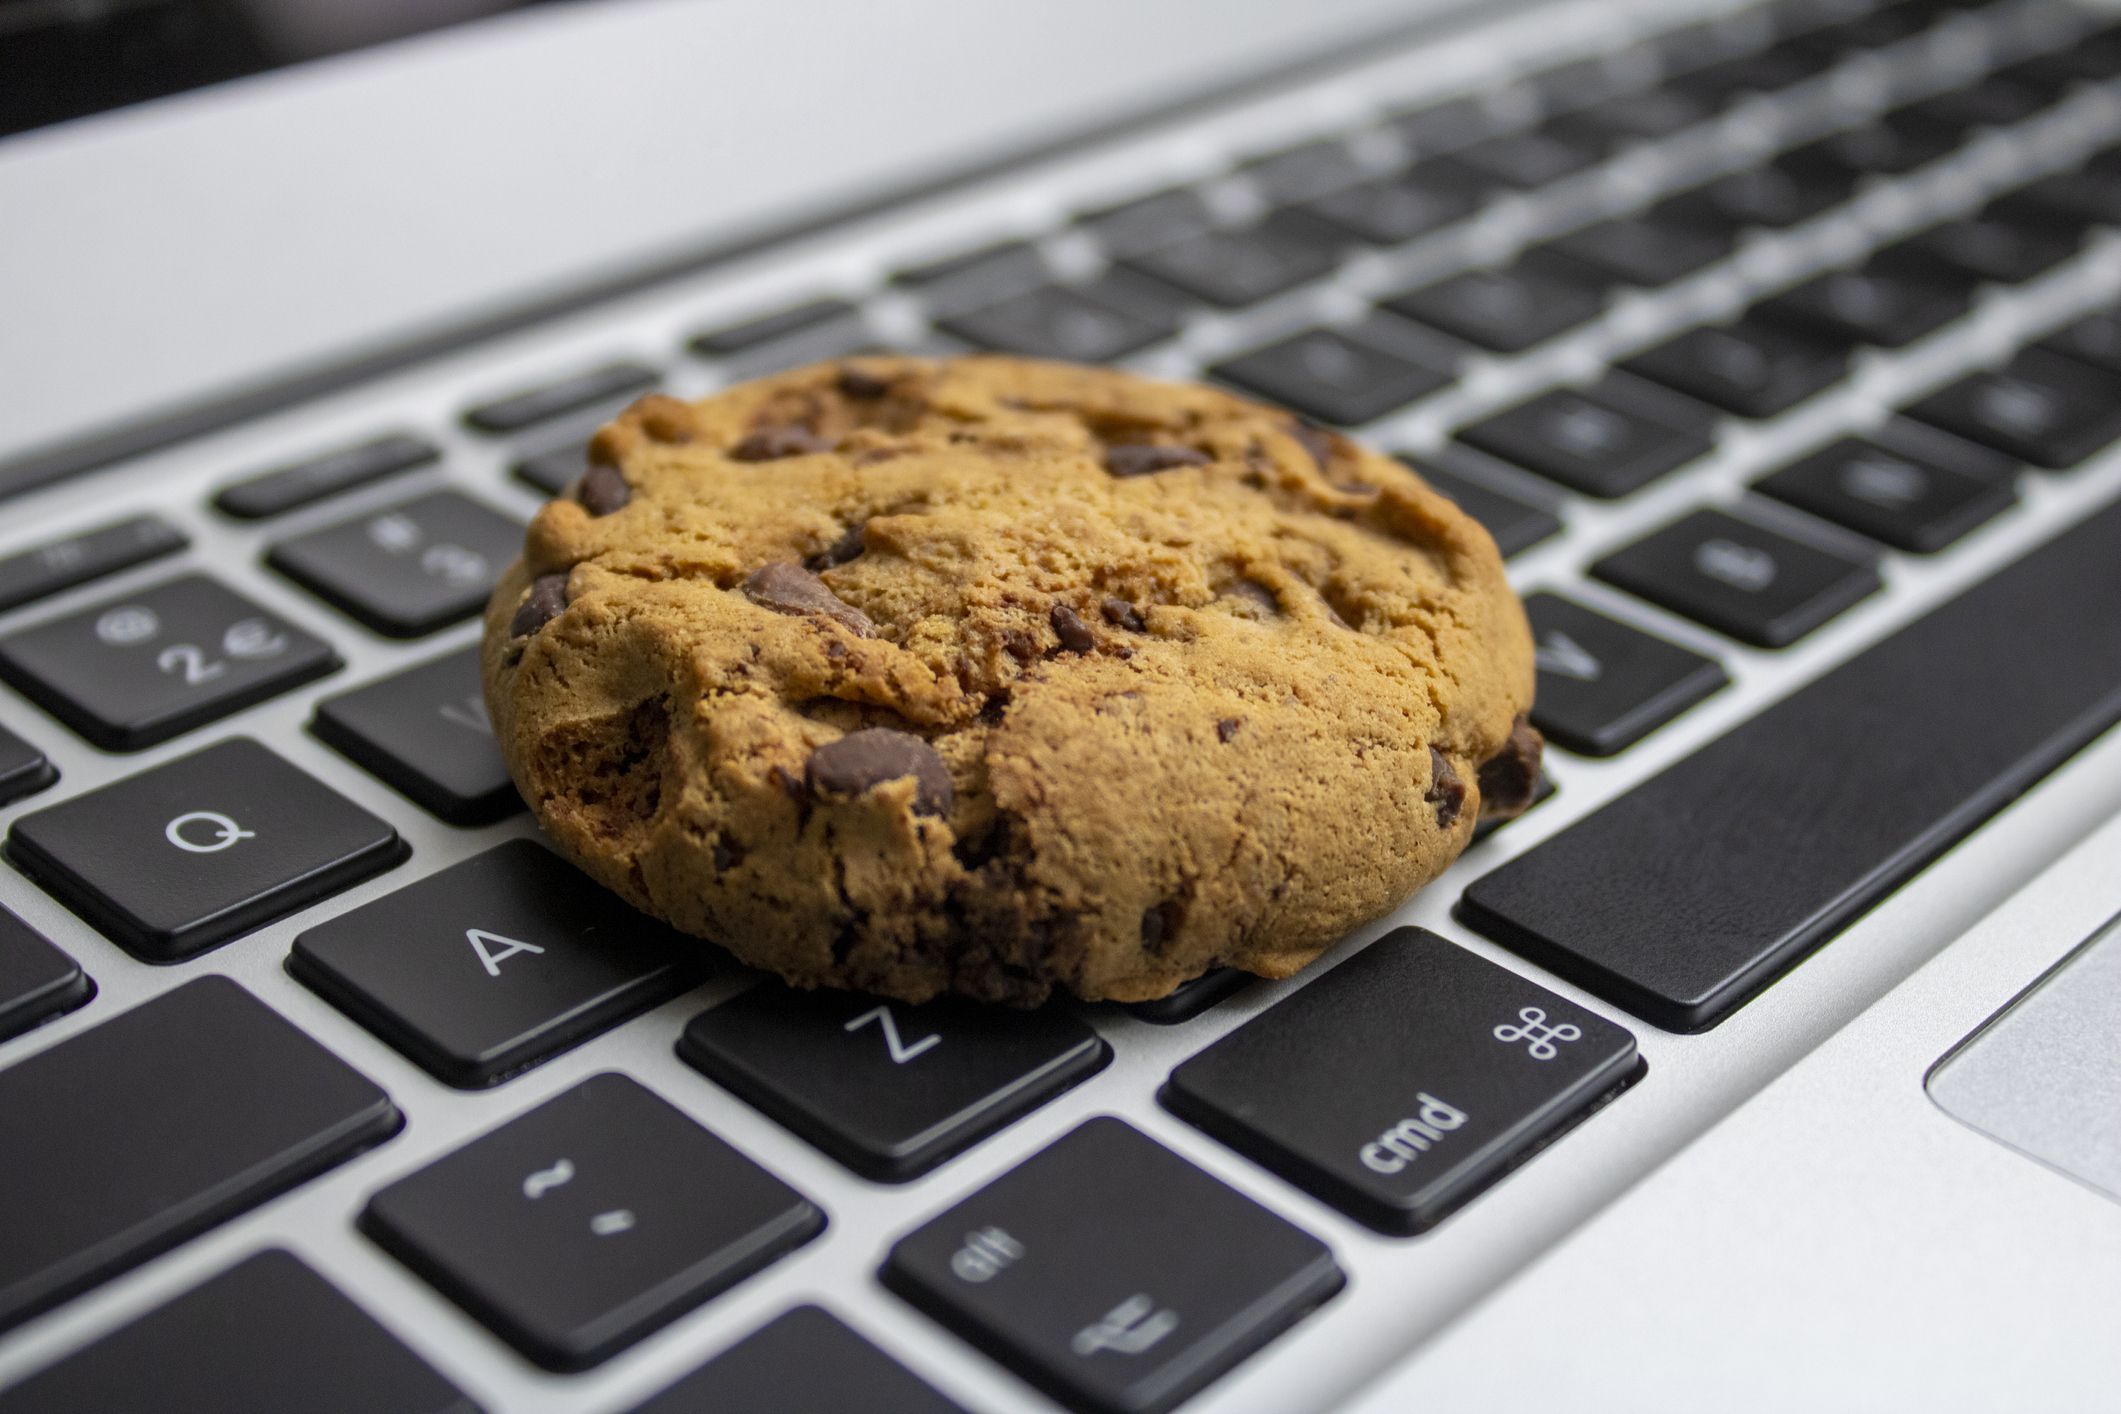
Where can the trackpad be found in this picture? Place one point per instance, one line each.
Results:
(2044, 1075)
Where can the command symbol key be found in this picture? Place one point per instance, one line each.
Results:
(1405, 1081)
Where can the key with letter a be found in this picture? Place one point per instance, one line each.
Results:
(495, 964)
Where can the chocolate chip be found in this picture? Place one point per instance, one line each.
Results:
(1075, 635)
(1316, 440)
(855, 383)
(1446, 791)
(726, 855)
(1510, 777)
(1161, 923)
(858, 763)
(1253, 592)
(603, 490)
(547, 601)
(1226, 729)
(1119, 612)
(791, 784)
(772, 443)
(1019, 645)
(1142, 458)
(791, 589)
(848, 547)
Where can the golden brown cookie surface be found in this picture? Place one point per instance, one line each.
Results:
(993, 677)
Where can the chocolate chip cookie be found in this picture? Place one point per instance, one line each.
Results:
(994, 677)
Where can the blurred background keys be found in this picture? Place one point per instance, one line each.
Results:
(188, 855)
(1331, 376)
(89, 554)
(889, 1090)
(1111, 1273)
(578, 1228)
(1588, 441)
(2040, 407)
(1757, 585)
(287, 488)
(517, 411)
(265, 1334)
(1906, 500)
(1404, 1081)
(159, 1123)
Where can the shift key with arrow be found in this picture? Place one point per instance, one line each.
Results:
(1603, 686)
(496, 964)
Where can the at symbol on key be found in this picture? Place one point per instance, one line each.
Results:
(1539, 1038)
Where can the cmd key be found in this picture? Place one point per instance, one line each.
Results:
(1405, 1081)
(1111, 1273)
(265, 1334)
(186, 856)
(578, 1228)
(1685, 897)
(805, 1361)
(158, 1124)
(495, 964)
(156, 662)
(889, 1090)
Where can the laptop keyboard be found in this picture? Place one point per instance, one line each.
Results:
(1588, 303)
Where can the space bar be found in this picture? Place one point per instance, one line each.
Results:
(1685, 897)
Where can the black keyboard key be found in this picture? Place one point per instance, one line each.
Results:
(2094, 339)
(805, 1361)
(1147, 222)
(1749, 368)
(1763, 71)
(37, 981)
(889, 1090)
(2040, 408)
(1994, 246)
(425, 732)
(265, 1334)
(158, 1124)
(1890, 147)
(140, 669)
(591, 1221)
(1865, 307)
(1093, 323)
(1111, 1273)
(61, 564)
(1507, 310)
(517, 411)
(976, 276)
(1757, 585)
(1405, 1081)
(1445, 127)
(554, 469)
(804, 319)
(1643, 116)
(304, 483)
(1647, 250)
(1775, 195)
(24, 770)
(1516, 524)
(1604, 686)
(1303, 172)
(409, 569)
(1242, 266)
(196, 851)
(1588, 441)
(1194, 998)
(495, 964)
(2072, 199)
(1993, 102)
(1399, 208)
(1526, 159)
(1722, 852)
(1908, 500)
(1331, 376)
